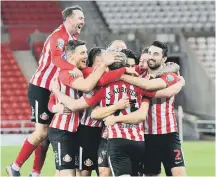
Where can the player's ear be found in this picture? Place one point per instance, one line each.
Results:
(164, 59)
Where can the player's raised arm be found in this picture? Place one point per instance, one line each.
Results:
(57, 46)
(131, 118)
(90, 82)
(102, 112)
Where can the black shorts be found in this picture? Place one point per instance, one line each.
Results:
(102, 154)
(163, 148)
(124, 156)
(38, 99)
(89, 139)
(65, 147)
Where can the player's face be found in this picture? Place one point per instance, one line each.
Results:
(155, 57)
(130, 63)
(118, 46)
(98, 60)
(77, 21)
(80, 56)
(143, 61)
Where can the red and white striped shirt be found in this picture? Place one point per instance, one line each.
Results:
(52, 58)
(110, 95)
(106, 78)
(88, 121)
(68, 122)
(161, 117)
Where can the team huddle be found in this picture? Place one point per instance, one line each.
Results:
(103, 110)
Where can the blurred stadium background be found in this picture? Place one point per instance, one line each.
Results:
(187, 26)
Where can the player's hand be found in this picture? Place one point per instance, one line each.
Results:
(123, 103)
(110, 120)
(131, 71)
(55, 87)
(182, 80)
(60, 109)
(153, 76)
(112, 57)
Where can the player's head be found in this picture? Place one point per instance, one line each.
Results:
(144, 58)
(94, 56)
(76, 53)
(131, 58)
(117, 45)
(157, 54)
(74, 18)
(117, 65)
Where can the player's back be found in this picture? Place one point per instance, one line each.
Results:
(55, 44)
(114, 92)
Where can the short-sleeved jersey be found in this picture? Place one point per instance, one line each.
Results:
(110, 95)
(161, 117)
(52, 58)
(68, 122)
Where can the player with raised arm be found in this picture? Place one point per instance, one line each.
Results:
(160, 125)
(39, 88)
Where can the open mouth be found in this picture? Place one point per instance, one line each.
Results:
(83, 61)
(80, 26)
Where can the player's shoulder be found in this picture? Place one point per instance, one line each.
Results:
(60, 32)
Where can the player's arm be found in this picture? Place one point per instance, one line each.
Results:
(168, 92)
(78, 104)
(102, 112)
(154, 84)
(169, 68)
(57, 45)
(131, 118)
(55, 107)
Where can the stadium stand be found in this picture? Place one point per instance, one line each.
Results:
(123, 16)
(24, 17)
(15, 108)
(205, 52)
(37, 48)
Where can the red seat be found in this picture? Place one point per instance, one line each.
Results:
(14, 100)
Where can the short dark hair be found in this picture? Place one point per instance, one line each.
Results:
(117, 65)
(73, 44)
(69, 11)
(130, 54)
(145, 50)
(95, 51)
(161, 45)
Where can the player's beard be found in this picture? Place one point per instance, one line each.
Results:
(153, 66)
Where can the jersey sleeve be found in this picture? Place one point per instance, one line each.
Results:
(110, 76)
(146, 99)
(52, 101)
(170, 78)
(57, 46)
(67, 77)
(87, 71)
(148, 93)
(93, 97)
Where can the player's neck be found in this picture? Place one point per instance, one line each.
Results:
(70, 31)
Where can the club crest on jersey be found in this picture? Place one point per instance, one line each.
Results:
(89, 94)
(67, 158)
(73, 74)
(44, 116)
(60, 43)
(88, 163)
(170, 78)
